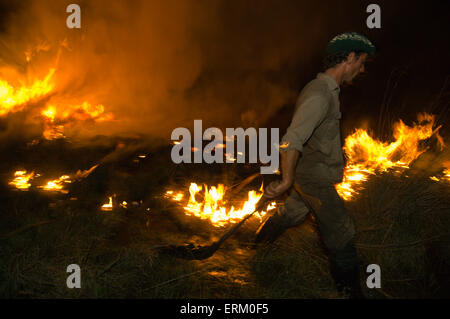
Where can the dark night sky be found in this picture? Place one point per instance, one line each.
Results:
(412, 45)
(282, 43)
(413, 49)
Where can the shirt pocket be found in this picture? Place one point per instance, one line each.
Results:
(333, 126)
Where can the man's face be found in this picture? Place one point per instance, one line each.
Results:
(354, 66)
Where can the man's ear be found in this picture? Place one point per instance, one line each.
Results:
(351, 57)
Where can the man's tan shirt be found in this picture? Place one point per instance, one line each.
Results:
(315, 132)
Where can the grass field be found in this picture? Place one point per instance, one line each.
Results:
(402, 225)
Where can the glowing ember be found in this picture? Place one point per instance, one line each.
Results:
(21, 180)
(108, 206)
(368, 156)
(213, 206)
(447, 174)
(124, 204)
(57, 184)
(229, 157)
(175, 196)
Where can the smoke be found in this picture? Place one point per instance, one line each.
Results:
(158, 65)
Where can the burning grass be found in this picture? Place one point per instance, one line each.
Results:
(213, 206)
(129, 200)
(54, 115)
(402, 225)
(368, 156)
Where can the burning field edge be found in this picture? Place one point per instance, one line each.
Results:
(402, 222)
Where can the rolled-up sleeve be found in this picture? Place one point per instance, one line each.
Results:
(308, 115)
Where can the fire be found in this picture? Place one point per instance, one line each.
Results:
(213, 206)
(12, 99)
(368, 156)
(21, 180)
(49, 113)
(447, 174)
(113, 204)
(57, 184)
(108, 206)
(229, 157)
(56, 118)
(177, 197)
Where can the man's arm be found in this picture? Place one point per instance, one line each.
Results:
(288, 163)
(307, 117)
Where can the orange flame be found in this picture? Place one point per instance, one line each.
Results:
(57, 184)
(447, 174)
(213, 206)
(55, 119)
(12, 99)
(22, 180)
(369, 156)
(108, 206)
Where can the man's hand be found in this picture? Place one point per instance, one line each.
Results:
(288, 163)
(276, 188)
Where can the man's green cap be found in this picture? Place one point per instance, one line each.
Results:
(350, 42)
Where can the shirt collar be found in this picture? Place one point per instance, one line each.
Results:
(332, 84)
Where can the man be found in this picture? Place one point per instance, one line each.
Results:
(315, 134)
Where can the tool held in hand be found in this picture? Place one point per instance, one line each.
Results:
(193, 252)
(199, 252)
